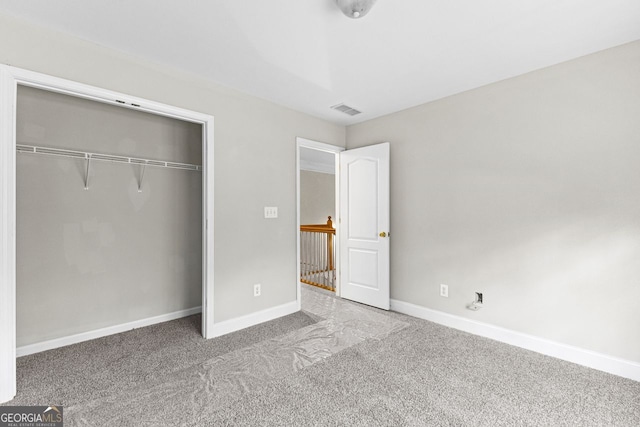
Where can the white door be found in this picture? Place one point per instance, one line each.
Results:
(364, 224)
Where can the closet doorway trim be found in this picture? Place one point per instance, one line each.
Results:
(10, 78)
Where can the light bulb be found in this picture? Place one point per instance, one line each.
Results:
(355, 9)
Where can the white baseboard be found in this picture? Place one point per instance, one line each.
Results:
(242, 322)
(580, 356)
(103, 332)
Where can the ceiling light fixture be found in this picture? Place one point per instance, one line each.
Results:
(355, 8)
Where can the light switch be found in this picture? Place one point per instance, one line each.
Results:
(270, 212)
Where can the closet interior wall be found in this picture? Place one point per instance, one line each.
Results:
(108, 255)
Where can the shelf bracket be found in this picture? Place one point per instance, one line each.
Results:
(86, 174)
(143, 167)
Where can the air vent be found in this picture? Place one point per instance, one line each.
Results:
(346, 109)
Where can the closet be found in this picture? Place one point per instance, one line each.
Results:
(109, 216)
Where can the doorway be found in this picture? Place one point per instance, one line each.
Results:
(108, 219)
(362, 206)
(322, 160)
(10, 79)
(317, 214)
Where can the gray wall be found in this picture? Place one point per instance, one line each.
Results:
(317, 197)
(109, 255)
(255, 156)
(527, 190)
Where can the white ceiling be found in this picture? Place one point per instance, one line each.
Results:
(306, 55)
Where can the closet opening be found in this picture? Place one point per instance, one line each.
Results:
(96, 225)
(108, 219)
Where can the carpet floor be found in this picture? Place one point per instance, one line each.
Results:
(335, 363)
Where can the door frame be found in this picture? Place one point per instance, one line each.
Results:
(335, 150)
(10, 78)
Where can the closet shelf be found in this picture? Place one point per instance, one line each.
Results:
(21, 148)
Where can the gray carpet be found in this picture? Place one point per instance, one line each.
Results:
(354, 366)
(428, 375)
(91, 370)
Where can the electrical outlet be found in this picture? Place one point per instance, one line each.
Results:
(256, 290)
(444, 291)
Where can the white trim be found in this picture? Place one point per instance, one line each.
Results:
(311, 166)
(316, 145)
(335, 150)
(232, 325)
(207, 227)
(580, 356)
(7, 238)
(81, 90)
(103, 332)
(10, 78)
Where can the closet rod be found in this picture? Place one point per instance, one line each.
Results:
(21, 148)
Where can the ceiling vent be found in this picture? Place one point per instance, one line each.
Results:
(346, 109)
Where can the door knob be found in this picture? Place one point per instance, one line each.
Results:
(383, 234)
